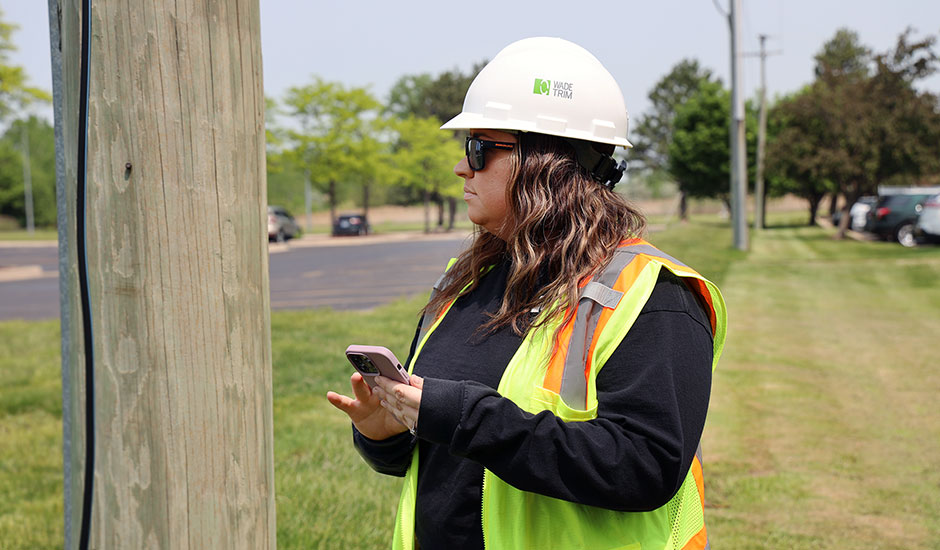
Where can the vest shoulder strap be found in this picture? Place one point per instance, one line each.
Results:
(429, 317)
(603, 292)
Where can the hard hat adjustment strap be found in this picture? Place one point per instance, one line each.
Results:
(603, 168)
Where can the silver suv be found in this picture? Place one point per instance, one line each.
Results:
(928, 223)
(281, 225)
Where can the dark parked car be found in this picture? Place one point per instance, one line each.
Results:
(894, 216)
(351, 224)
(281, 225)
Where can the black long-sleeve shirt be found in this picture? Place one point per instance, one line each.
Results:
(652, 398)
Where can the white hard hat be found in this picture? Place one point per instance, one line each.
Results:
(549, 86)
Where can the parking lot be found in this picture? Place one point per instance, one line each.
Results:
(315, 271)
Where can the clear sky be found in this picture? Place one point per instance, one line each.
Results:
(373, 43)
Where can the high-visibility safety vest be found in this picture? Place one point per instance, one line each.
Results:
(559, 376)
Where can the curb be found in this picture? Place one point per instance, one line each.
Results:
(28, 244)
(24, 273)
(322, 240)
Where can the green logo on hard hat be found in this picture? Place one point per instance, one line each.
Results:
(542, 87)
(554, 88)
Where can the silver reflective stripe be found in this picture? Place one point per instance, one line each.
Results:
(426, 321)
(428, 318)
(595, 296)
(602, 294)
(654, 252)
(573, 384)
(698, 455)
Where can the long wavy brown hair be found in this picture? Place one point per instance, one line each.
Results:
(562, 227)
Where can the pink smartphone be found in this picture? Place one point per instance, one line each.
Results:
(372, 361)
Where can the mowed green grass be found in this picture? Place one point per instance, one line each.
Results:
(823, 430)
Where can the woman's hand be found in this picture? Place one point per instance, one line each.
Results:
(403, 401)
(366, 411)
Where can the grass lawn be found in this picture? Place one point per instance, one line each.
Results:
(822, 433)
(823, 430)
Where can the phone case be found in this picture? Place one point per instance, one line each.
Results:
(372, 361)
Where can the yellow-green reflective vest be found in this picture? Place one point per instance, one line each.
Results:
(560, 376)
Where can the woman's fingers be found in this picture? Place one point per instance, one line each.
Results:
(409, 395)
(402, 400)
(360, 388)
(365, 410)
(340, 401)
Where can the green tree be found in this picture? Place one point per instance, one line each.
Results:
(334, 139)
(41, 146)
(797, 153)
(441, 98)
(654, 130)
(862, 123)
(424, 96)
(423, 159)
(15, 97)
(699, 154)
(15, 94)
(843, 56)
(842, 61)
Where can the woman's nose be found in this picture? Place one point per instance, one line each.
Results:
(462, 169)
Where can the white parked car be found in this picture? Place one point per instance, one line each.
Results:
(928, 223)
(281, 225)
(859, 212)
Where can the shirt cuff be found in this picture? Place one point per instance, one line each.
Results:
(442, 403)
(381, 446)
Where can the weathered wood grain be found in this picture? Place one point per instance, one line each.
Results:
(178, 272)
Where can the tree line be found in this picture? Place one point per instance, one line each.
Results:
(23, 136)
(343, 143)
(862, 122)
(859, 124)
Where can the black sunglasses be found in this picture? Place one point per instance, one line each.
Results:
(475, 148)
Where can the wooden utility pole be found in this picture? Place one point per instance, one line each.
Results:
(177, 274)
(308, 202)
(27, 179)
(761, 141)
(759, 191)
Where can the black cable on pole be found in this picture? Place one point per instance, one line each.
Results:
(83, 279)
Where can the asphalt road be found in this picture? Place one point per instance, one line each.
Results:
(317, 271)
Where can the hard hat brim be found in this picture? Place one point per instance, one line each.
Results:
(471, 121)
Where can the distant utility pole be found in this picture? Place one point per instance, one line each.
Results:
(27, 180)
(759, 192)
(736, 136)
(180, 401)
(308, 202)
